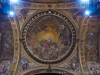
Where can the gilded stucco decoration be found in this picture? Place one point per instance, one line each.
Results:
(56, 46)
(88, 46)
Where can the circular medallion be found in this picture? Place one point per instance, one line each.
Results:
(49, 38)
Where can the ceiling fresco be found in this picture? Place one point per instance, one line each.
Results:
(91, 41)
(6, 38)
(49, 37)
(6, 44)
(60, 40)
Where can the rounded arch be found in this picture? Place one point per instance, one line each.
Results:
(16, 37)
(82, 37)
(59, 71)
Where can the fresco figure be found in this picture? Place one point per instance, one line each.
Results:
(48, 39)
(74, 64)
(4, 67)
(7, 41)
(91, 40)
(24, 64)
(94, 67)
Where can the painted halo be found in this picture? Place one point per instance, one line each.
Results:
(49, 38)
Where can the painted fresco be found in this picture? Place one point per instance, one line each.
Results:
(76, 15)
(94, 67)
(91, 40)
(24, 13)
(6, 42)
(73, 63)
(49, 37)
(24, 64)
(4, 67)
(7, 39)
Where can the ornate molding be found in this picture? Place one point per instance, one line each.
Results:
(35, 16)
(82, 45)
(16, 35)
(59, 69)
(31, 5)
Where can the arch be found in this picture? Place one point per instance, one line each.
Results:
(16, 36)
(82, 45)
(61, 70)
